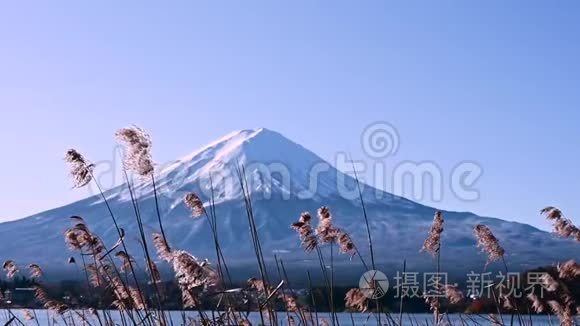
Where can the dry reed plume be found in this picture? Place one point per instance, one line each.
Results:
(453, 294)
(79, 237)
(126, 261)
(537, 304)
(326, 232)
(93, 275)
(137, 298)
(48, 303)
(305, 232)
(289, 301)
(10, 268)
(258, 285)
(123, 297)
(564, 312)
(137, 150)
(35, 271)
(193, 273)
(345, 243)
(356, 300)
(163, 250)
(432, 243)
(81, 171)
(488, 243)
(558, 296)
(154, 271)
(569, 270)
(100, 273)
(561, 225)
(194, 203)
(193, 277)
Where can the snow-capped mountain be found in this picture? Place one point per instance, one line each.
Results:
(285, 179)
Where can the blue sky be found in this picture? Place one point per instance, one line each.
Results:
(491, 82)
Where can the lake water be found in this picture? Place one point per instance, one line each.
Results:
(45, 318)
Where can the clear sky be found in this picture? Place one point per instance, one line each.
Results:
(495, 82)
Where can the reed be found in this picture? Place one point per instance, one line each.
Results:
(196, 206)
(488, 243)
(432, 245)
(150, 265)
(561, 225)
(111, 270)
(555, 294)
(369, 237)
(241, 173)
(81, 171)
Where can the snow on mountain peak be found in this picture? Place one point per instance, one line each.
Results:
(273, 164)
(227, 143)
(231, 146)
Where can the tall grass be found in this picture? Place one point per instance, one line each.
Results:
(432, 245)
(211, 292)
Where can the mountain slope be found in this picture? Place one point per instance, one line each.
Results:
(279, 174)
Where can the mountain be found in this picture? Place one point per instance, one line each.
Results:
(280, 176)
